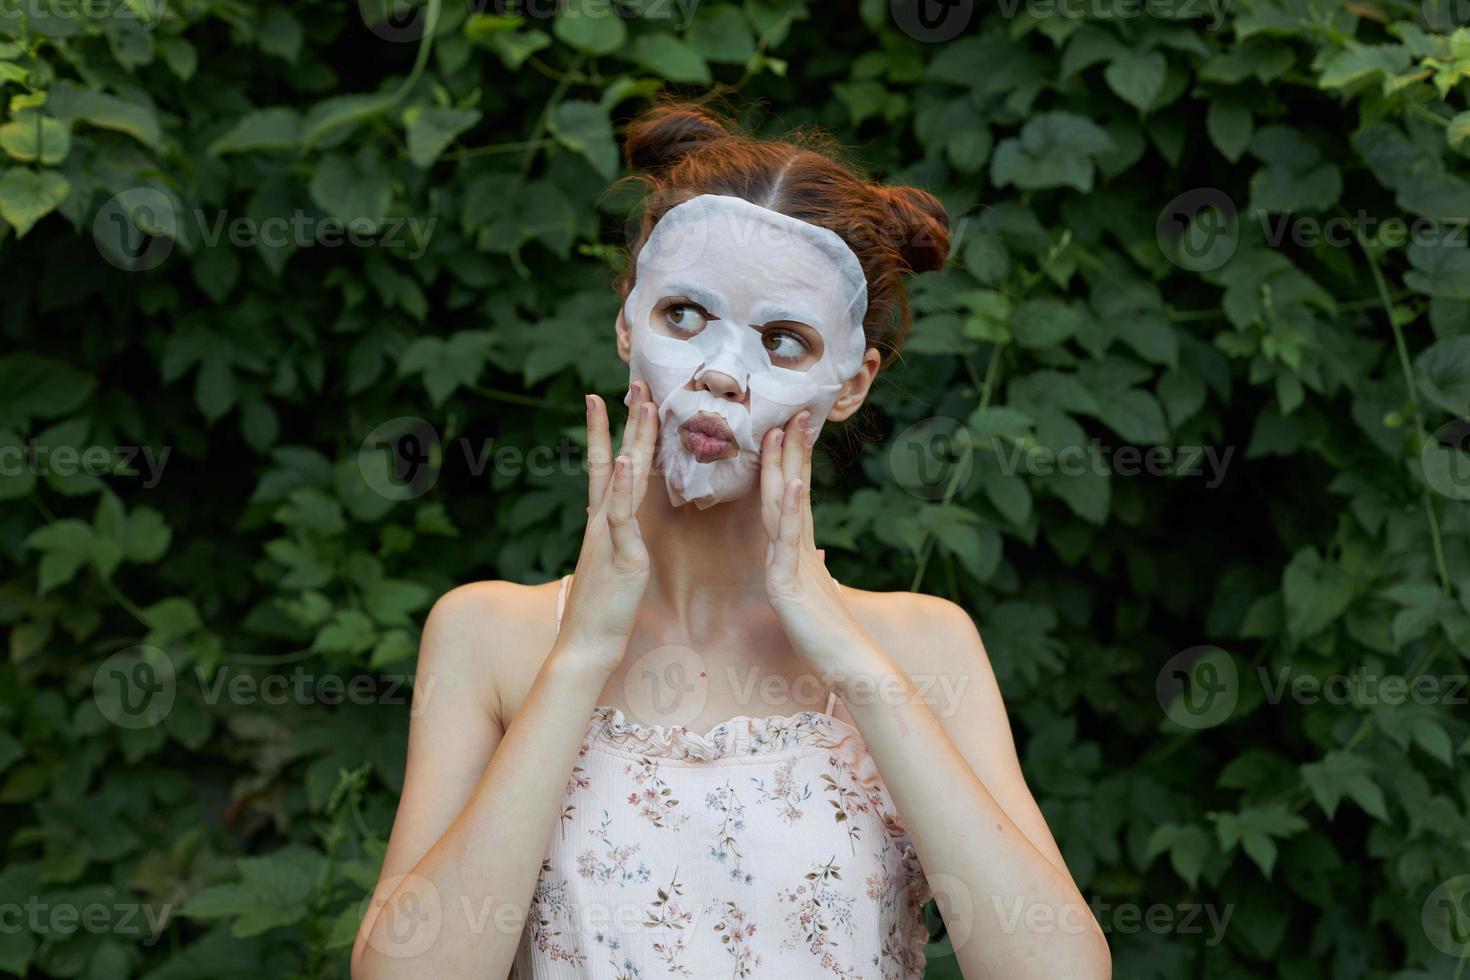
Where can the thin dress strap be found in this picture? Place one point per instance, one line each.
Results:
(832, 695)
(561, 599)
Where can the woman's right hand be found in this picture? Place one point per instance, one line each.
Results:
(612, 569)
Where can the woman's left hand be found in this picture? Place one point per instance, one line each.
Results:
(807, 600)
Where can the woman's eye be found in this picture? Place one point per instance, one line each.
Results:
(785, 345)
(686, 318)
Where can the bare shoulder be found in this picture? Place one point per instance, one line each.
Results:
(492, 635)
(922, 632)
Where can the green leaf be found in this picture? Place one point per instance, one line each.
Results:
(274, 890)
(1457, 132)
(1187, 847)
(670, 57)
(1055, 149)
(584, 127)
(70, 102)
(1042, 323)
(593, 27)
(1316, 593)
(277, 128)
(1230, 126)
(1276, 189)
(1011, 496)
(1254, 829)
(66, 546)
(1134, 414)
(27, 196)
(1150, 336)
(1358, 62)
(720, 33)
(514, 47)
(1342, 774)
(1444, 374)
(36, 386)
(329, 118)
(280, 34)
(1137, 77)
(180, 56)
(350, 632)
(432, 129)
(358, 195)
(1441, 268)
(447, 365)
(35, 139)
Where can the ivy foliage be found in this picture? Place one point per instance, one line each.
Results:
(1219, 249)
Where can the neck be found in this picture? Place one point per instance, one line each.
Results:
(704, 564)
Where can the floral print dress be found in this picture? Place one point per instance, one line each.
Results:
(763, 848)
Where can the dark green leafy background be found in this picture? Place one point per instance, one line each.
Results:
(1173, 227)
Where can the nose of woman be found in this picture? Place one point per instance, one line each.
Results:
(721, 385)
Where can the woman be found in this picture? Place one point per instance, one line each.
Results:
(799, 838)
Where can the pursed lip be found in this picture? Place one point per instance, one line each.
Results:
(708, 438)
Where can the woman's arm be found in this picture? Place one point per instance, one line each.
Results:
(1009, 904)
(479, 805)
(480, 800)
(1012, 908)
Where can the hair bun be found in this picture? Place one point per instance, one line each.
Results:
(664, 135)
(920, 224)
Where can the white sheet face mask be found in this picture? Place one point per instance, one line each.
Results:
(746, 266)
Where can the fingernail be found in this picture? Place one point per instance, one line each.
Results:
(780, 438)
(589, 402)
(811, 435)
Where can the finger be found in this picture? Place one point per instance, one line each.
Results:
(643, 452)
(791, 447)
(620, 506)
(599, 452)
(808, 442)
(785, 554)
(630, 424)
(772, 481)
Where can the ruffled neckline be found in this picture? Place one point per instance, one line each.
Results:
(739, 736)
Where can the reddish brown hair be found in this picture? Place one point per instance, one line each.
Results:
(683, 150)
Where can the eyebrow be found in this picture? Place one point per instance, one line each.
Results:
(768, 312)
(707, 298)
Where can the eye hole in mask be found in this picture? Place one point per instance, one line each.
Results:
(790, 344)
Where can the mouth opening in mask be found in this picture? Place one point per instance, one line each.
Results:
(708, 437)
